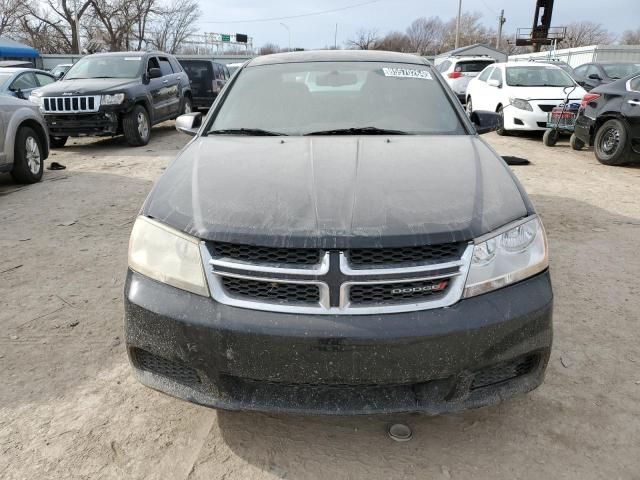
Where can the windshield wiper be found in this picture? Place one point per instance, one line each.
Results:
(245, 131)
(359, 131)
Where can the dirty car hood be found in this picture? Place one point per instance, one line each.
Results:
(337, 192)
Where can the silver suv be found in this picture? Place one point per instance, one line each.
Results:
(24, 141)
(458, 72)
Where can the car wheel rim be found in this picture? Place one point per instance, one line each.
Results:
(187, 106)
(143, 125)
(610, 141)
(469, 107)
(34, 160)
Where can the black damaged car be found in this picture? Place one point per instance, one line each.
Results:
(337, 239)
(110, 94)
(609, 119)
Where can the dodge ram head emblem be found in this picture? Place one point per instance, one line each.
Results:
(437, 287)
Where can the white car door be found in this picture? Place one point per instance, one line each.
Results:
(495, 90)
(479, 89)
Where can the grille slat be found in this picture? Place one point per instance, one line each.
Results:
(296, 293)
(504, 371)
(177, 371)
(76, 104)
(386, 293)
(369, 257)
(253, 254)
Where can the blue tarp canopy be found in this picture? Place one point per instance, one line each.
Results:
(13, 49)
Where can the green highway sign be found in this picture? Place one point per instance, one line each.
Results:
(226, 38)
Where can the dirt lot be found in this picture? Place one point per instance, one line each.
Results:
(69, 407)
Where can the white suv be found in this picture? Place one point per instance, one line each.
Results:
(458, 72)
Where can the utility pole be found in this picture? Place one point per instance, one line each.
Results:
(501, 22)
(458, 25)
(335, 39)
(288, 30)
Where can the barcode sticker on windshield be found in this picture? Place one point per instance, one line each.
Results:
(132, 58)
(407, 73)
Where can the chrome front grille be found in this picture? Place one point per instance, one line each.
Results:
(75, 104)
(330, 282)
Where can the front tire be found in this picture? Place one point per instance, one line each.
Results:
(28, 161)
(575, 142)
(137, 127)
(57, 142)
(501, 130)
(188, 106)
(612, 143)
(550, 137)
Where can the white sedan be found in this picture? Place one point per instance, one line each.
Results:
(523, 94)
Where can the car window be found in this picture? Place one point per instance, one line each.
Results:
(496, 75)
(24, 81)
(44, 79)
(472, 66)
(620, 70)
(4, 78)
(444, 66)
(484, 76)
(198, 70)
(301, 98)
(593, 70)
(581, 71)
(152, 63)
(165, 66)
(538, 76)
(106, 66)
(227, 75)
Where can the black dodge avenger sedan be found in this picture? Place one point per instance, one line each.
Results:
(337, 239)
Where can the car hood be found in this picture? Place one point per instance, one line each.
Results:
(86, 86)
(338, 191)
(545, 93)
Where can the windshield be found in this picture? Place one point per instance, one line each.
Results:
(103, 66)
(541, 76)
(327, 97)
(620, 70)
(4, 78)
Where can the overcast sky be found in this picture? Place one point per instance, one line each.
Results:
(386, 15)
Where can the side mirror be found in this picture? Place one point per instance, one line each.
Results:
(494, 83)
(155, 73)
(60, 75)
(594, 76)
(20, 94)
(486, 121)
(189, 123)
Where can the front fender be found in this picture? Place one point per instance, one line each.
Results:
(18, 118)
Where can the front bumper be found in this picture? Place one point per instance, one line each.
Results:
(475, 353)
(81, 124)
(585, 127)
(518, 119)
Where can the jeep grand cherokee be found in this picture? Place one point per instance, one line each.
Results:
(337, 239)
(108, 94)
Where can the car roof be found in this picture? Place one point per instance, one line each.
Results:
(128, 54)
(337, 56)
(528, 64)
(21, 69)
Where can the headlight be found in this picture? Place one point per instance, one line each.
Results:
(507, 258)
(521, 104)
(112, 99)
(36, 97)
(167, 255)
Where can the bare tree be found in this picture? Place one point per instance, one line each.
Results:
(11, 11)
(472, 31)
(630, 37)
(365, 40)
(62, 17)
(582, 34)
(173, 24)
(395, 42)
(268, 49)
(42, 36)
(122, 21)
(425, 34)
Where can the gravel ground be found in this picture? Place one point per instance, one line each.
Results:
(69, 407)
